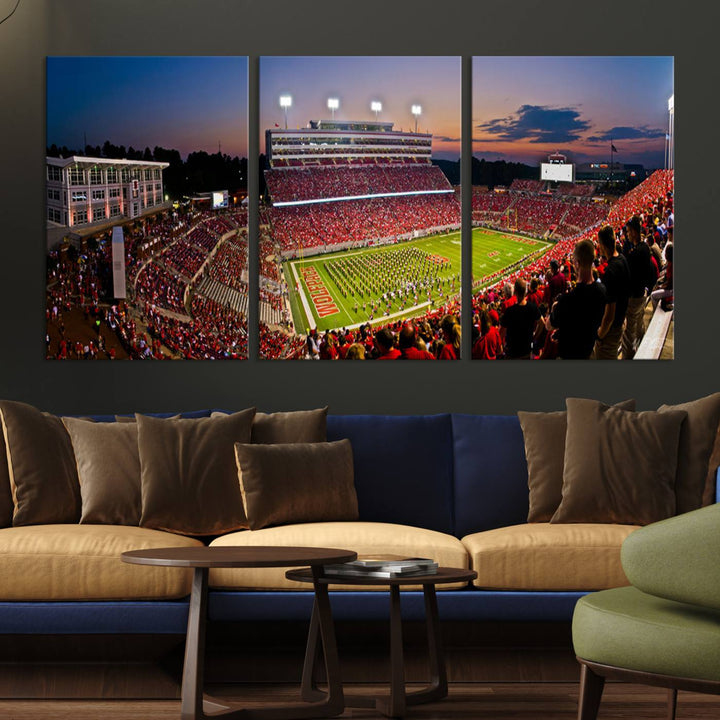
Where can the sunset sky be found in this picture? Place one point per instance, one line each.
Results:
(527, 107)
(397, 82)
(185, 103)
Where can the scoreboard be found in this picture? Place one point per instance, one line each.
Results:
(219, 199)
(557, 172)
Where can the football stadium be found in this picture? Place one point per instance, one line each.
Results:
(359, 231)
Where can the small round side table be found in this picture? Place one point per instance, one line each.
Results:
(395, 704)
(193, 705)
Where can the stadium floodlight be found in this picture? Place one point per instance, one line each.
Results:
(333, 105)
(416, 110)
(285, 103)
(376, 107)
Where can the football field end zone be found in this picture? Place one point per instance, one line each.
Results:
(309, 317)
(502, 236)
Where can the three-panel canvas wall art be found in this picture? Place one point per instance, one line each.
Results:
(359, 234)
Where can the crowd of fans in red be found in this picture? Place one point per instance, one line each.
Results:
(314, 182)
(162, 255)
(651, 200)
(334, 223)
(535, 212)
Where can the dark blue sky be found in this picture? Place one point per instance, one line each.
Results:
(186, 103)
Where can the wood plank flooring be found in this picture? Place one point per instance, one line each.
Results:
(476, 701)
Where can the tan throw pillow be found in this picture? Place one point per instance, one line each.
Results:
(619, 466)
(297, 483)
(108, 466)
(298, 426)
(544, 435)
(188, 474)
(41, 466)
(697, 438)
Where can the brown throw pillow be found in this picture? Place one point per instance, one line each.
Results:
(131, 418)
(108, 466)
(298, 426)
(297, 483)
(619, 466)
(6, 501)
(188, 474)
(41, 466)
(697, 438)
(544, 435)
(710, 491)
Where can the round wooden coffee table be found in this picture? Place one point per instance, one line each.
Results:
(395, 704)
(193, 705)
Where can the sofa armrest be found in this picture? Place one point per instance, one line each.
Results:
(677, 558)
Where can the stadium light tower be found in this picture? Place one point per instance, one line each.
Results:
(285, 103)
(416, 110)
(333, 105)
(670, 136)
(376, 107)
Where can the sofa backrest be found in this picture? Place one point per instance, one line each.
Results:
(490, 479)
(403, 467)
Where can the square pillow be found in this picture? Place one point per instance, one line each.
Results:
(108, 466)
(544, 435)
(41, 466)
(189, 480)
(6, 500)
(297, 426)
(297, 483)
(697, 439)
(619, 466)
(710, 492)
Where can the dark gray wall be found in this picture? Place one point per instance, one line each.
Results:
(397, 27)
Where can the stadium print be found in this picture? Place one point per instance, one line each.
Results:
(572, 208)
(360, 212)
(147, 238)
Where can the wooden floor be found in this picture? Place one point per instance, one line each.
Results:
(491, 701)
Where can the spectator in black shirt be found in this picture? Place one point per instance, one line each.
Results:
(577, 314)
(642, 279)
(518, 323)
(616, 280)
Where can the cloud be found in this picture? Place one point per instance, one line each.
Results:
(445, 138)
(538, 124)
(628, 133)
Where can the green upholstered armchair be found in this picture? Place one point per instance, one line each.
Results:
(664, 629)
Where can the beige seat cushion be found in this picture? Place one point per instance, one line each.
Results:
(82, 562)
(544, 556)
(365, 538)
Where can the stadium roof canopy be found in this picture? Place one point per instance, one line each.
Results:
(85, 160)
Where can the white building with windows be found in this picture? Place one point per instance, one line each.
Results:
(86, 191)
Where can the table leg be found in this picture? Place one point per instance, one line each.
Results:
(309, 688)
(196, 707)
(193, 669)
(438, 687)
(394, 706)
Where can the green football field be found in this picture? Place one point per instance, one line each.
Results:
(494, 250)
(391, 282)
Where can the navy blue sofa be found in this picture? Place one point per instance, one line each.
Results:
(453, 473)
